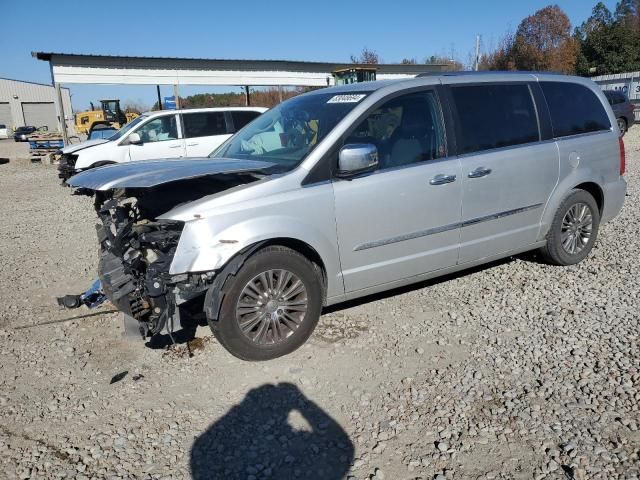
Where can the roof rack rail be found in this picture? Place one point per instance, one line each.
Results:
(484, 72)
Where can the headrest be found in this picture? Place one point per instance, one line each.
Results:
(414, 123)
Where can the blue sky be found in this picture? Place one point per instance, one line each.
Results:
(293, 30)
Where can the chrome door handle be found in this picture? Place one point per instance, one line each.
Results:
(192, 144)
(479, 172)
(441, 179)
(176, 146)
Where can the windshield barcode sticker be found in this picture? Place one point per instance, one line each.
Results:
(346, 98)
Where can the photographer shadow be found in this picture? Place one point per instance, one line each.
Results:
(275, 432)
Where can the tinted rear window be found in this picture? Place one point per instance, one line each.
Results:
(204, 124)
(574, 109)
(494, 116)
(242, 117)
(2, 126)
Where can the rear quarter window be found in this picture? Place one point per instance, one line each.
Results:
(242, 117)
(204, 124)
(574, 109)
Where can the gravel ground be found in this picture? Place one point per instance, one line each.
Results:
(514, 371)
(12, 149)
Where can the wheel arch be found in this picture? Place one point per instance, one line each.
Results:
(216, 292)
(585, 182)
(596, 192)
(303, 248)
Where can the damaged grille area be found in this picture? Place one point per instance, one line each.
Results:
(135, 256)
(136, 249)
(67, 166)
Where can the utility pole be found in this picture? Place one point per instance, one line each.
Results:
(159, 99)
(62, 122)
(477, 59)
(176, 94)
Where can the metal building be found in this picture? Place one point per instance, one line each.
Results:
(69, 68)
(27, 103)
(628, 83)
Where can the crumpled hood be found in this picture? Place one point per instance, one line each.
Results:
(151, 173)
(83, 145)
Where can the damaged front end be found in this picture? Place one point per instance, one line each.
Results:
(67, 165)
(135, 257)
(137, 247)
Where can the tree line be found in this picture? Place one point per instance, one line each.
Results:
(266, 97)
(606, 42)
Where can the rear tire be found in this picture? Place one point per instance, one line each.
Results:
(622, 125)
(271, 306)
(574, 229)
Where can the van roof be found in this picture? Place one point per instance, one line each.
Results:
(452, 78)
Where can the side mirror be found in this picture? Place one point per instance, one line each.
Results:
(134, 139)
(357, 158)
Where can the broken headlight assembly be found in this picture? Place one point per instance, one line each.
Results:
(135, 257)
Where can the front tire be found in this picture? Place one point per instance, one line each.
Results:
(271, 306)
(574, 229)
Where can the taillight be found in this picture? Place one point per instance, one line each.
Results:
(623, 160)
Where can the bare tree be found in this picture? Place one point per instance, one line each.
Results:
(366, 56)
(500, 57)
(408, 61)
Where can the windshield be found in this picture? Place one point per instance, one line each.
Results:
(286, 134)
(120, 133)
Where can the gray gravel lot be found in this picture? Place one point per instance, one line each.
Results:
(514, 371)
(12, 150)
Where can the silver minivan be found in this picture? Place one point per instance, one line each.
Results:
(347, 191)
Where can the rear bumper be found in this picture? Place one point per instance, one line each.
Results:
(614, 194)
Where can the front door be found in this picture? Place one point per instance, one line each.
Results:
(508, 173)
(402, 220)
(160, 139)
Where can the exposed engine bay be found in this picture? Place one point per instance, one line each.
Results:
(136, 249)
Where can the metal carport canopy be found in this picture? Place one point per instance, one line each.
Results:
(70, 68)
(106, 69)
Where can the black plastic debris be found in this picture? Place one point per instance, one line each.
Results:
(116, 378)
(93, 297)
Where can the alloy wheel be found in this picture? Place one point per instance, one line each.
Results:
(271, 306)
(577, 226)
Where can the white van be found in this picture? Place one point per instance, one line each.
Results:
(162, 134)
